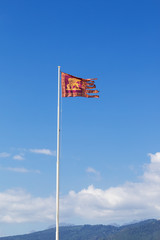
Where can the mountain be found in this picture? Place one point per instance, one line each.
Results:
(145, 230)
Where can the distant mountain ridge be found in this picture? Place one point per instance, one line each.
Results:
(145, 230)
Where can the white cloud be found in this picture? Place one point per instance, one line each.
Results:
(18, 157)
(155, 158)
(20, 170)
(121, 204)
(94, 174)
(4, 155)
(43, 151)
(92, 170)
(17, 206)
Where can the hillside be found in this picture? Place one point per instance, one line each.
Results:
(146, 230)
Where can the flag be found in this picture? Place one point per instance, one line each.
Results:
(77, 87)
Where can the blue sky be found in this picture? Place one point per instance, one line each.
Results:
(110, 160)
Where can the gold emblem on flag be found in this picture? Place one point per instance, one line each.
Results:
(73, 84)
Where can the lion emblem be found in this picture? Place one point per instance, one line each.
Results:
(74, 84)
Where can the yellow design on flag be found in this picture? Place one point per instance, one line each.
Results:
(73, 84)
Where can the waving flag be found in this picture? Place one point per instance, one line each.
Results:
(77, 87)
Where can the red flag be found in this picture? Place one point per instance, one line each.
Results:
(77, 87)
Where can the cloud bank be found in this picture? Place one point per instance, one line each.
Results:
(121, 204)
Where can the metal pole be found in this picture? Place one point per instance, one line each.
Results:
(58, 148)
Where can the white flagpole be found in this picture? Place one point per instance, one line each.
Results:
(58, 153)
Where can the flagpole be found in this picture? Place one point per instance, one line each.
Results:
(58, 153)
